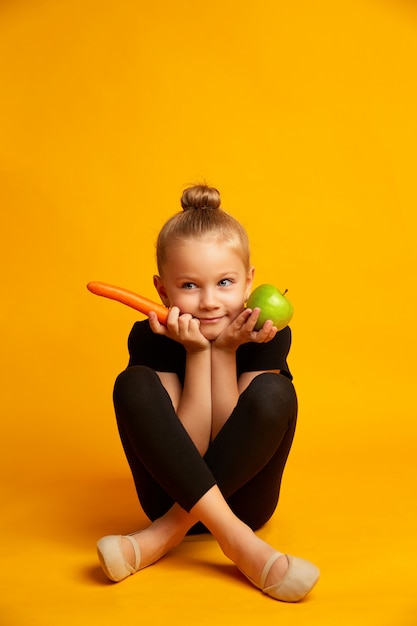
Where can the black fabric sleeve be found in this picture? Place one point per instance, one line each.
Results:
(155, 351)
(252, 357)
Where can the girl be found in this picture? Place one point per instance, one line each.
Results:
(206, 409)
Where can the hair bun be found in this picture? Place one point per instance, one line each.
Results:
(200, 197)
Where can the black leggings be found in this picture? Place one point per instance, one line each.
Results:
(246, 459)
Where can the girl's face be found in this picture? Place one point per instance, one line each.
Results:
(207, 279)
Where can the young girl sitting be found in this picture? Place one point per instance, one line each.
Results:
(206, 409)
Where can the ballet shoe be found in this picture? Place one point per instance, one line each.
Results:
(110, 554)
(298, 581)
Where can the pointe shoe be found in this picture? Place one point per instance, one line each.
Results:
(109, 550)
(299, 579)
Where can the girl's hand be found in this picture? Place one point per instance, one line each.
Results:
(182, 328)
(242, 330)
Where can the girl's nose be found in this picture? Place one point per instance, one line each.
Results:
(208, 299)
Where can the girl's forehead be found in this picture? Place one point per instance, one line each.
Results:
(206, 252)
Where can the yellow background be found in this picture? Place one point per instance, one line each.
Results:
(304, 115)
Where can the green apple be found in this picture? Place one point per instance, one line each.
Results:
(273, 304)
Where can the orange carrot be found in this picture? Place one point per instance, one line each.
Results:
(129, 298)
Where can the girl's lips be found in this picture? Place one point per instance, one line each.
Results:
(209, 320)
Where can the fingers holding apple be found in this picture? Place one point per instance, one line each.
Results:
(248, 327)
(273, 305)
(267, 332)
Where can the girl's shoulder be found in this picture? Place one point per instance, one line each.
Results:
(140, 331)
(266, 356)
(142, 338)
(156, 351)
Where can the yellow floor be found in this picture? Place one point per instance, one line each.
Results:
(304, 114)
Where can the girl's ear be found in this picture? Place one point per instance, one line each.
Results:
(160, 287)
(249, 281)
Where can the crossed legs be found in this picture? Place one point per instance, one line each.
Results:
(246, 459)
(177, 487)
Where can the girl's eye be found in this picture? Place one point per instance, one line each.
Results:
(225, 282)
(189, 286)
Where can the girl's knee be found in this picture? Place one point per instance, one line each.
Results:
(136, 373)
(134, 379)
(272, 396)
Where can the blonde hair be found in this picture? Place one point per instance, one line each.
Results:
(202, 217)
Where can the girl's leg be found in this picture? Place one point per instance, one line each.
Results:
(166, 465)
(249, 454)
(283, 578)
(138, 394)
(257, 500)
(237, 540)
(263, 423)
(246, 459)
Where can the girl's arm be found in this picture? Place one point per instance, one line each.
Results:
(192, 403)
(225, 387)
(195, 405)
